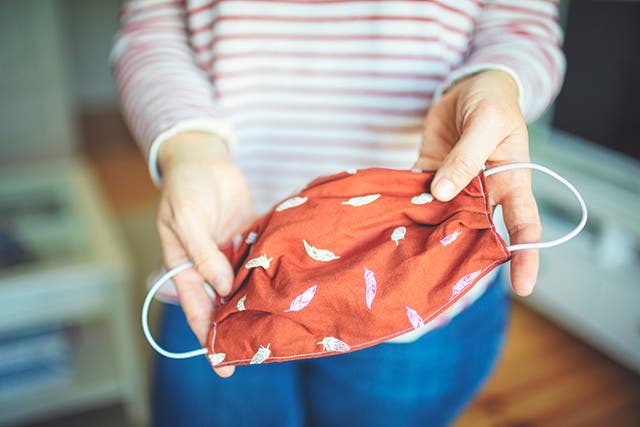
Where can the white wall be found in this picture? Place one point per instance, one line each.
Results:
(36, 111)
(53, 63)
(90, 30)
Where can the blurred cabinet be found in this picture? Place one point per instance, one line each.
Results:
(76, 283)
(36, 112)
(591, 285)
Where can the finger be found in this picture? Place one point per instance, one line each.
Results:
(195, 302)
(438, 138)
(208, 260)
(523, 224)
(465, 160)
(225, 371)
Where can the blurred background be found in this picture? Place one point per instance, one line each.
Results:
(77, 232)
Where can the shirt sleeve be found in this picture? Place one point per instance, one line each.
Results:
(522, 38)
(162, 89)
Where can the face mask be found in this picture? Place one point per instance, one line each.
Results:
(354, 259)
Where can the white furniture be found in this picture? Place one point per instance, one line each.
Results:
(591, 285)
(82, 279)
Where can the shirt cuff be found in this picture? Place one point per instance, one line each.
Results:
(220, 128)
(468, 70)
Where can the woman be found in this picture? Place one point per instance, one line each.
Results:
(227, 97)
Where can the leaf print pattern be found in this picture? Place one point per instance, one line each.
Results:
(352, 171)
(464, 282)
(422, 199)
(251, 238)
(261, 355)
(362, 200)
(414, 318)
(334, 344)
(371, 286)
(291, 203)
(261, 261)
(447, 240)
(216, 358)
(398, 234)
(240, 304)
(319, 254)
(302, 300)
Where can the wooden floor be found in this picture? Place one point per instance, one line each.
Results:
(545, 376)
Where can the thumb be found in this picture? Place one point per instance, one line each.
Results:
(463, 162)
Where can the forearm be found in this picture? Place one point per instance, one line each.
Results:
(162, 90)
(200, 147)
(523, 40)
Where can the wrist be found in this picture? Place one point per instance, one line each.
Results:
(192, 147)
(496, 80)
(506, 81)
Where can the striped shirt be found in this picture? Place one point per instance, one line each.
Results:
(303, 88)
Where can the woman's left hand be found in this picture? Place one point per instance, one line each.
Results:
(478, 121)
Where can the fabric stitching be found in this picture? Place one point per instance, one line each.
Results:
(434, 314)
(494, 232)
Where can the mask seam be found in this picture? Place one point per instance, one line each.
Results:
(213, 337)
(435, 314)
(494, 232)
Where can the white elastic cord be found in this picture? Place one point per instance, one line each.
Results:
(145, 315)
(573, 233)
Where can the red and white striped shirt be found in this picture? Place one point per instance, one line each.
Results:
(303, 88)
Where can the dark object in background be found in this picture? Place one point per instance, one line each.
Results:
(12, 251)
(599, 99)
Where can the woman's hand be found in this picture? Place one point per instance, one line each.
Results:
(478, 121)
(205, 201)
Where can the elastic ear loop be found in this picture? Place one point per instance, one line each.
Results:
(186, 265)
(573, 233)
(145, 315)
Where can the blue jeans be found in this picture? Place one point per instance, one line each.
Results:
(424, 383)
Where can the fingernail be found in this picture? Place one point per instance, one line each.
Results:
(444, 189)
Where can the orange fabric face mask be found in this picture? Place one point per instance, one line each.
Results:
(352, 260)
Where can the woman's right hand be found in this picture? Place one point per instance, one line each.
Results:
(205, 201)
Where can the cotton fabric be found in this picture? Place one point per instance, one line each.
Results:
(352, 260)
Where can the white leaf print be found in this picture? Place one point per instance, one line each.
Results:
(361, 200)
(240, 304)
(372, 286)
(447, 240)
(251, 238)
(334, 344)
(261, 355)
(261, 261)
(422, 199)
(303, 300)
(216, 358)
(319, 254)
(414, 317)
(464, 282)
(291, 203)
(398, 234)
(351, 171)
(416, 170)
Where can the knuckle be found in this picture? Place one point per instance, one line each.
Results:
(464, 168)
(182, 215)
(492, 111)
(196, 318)
(204, 263)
